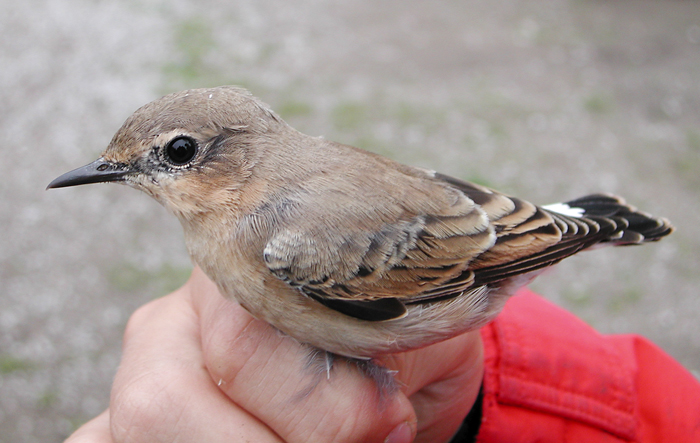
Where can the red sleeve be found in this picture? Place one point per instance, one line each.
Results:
(552, 378)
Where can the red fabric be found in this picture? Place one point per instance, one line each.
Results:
(552, 378)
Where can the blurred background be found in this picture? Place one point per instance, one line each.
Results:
(546, 99)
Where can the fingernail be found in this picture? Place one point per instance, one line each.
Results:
(401, 434)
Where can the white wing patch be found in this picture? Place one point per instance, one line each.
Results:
(564, 209)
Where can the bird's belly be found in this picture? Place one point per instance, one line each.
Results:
(310, 322)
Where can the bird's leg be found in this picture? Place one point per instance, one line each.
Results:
(382, 377)
(321, 363)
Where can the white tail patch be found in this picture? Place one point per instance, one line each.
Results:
(564, 209)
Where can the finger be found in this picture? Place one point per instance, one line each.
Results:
(162, 391)
(443, 391)
(94, 431)
(273, 380)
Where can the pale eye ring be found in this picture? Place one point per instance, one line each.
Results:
(180, 150)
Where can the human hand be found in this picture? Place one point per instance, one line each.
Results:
(197, 367)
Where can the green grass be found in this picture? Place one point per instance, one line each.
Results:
(578, 298)
(687, 162)
(293, 109)
(598, 104)
(48, 399)
(692, 139)
(10, 364)
(190, 65)
(630, 297)
(127, 277)
(348, 116)
(193, 41)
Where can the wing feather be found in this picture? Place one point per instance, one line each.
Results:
(443, 238)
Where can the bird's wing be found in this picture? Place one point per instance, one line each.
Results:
(583, 222)
(368, 259)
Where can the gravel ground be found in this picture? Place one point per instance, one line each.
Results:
(544, 99)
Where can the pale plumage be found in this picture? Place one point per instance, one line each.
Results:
(340, 248)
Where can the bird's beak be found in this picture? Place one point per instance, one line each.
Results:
(96, 172)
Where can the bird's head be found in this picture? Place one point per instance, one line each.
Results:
(193, 151)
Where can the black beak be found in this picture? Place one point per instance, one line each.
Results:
(96, 172)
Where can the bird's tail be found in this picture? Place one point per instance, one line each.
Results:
(631, 226)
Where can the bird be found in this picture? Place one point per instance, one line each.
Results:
(342, 249)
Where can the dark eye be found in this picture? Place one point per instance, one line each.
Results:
(180, 150)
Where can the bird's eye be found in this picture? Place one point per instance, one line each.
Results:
(180, 150)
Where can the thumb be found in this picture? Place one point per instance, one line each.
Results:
(268, 374)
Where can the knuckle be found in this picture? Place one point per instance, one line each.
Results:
(356, 418)
(142, 408)
(141, 317)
